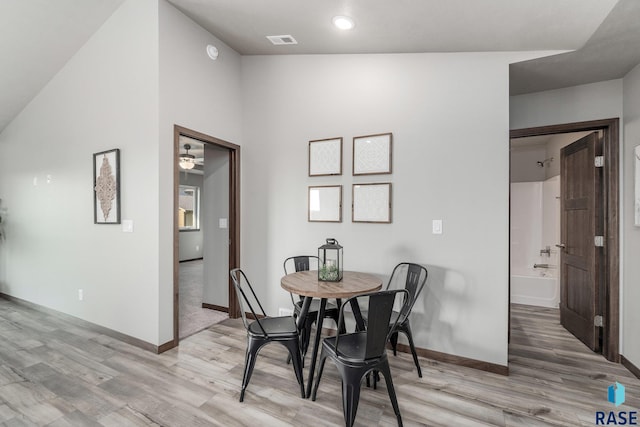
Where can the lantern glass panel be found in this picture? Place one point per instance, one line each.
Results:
(331, 264)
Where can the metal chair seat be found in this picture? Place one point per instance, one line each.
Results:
(353, 347)
(264, 330)
(283, 327)
(359, 353)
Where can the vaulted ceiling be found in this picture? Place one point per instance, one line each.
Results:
(37, 37)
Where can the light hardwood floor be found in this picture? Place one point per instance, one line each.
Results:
(55, 373)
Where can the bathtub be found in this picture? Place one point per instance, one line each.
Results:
(535, 286)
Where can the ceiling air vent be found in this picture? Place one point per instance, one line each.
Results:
(278, 40)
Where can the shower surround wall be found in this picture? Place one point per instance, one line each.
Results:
(535, 225)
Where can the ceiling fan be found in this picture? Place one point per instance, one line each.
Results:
(188, 161)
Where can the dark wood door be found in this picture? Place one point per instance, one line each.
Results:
(581, 222)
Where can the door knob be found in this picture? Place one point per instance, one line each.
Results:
(561, 246)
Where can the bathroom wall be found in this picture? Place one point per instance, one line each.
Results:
(535, 224)
(524, 166)
(551, 223)
(526, 225)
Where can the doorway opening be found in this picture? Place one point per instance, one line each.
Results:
(203, 198)
(206, 229)
(547, 166)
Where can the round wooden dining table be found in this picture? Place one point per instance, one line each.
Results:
(306, 284)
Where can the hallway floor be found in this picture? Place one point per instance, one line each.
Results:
(192, 317)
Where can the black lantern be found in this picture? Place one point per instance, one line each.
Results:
(330, 265)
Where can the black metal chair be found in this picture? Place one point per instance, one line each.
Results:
(411, 277)
(303, 263)
(264, 330)
(359, 353)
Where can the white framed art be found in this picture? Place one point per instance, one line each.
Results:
(372, 154)
(325, 203)
(325, 157)
(106, 187)
(371, 203)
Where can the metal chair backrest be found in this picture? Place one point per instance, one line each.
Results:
(411, 277)
(377, 333)
(246, 295)
(299, 263)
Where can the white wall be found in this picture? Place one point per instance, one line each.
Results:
(144, 71)
(105, 97)
(197, 93)
(449, 118)
(216, 239)
(594, 101)
(631, 244)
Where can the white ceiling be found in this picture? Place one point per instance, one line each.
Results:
(384, 26)
(37, 37)
(610, 53)
(197, 147)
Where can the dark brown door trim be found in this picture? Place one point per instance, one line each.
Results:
(611, 188)
(234, 215)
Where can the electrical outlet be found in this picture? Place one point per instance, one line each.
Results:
(80, 295)
(285, 312)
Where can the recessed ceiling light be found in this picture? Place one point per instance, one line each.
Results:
(343, 22)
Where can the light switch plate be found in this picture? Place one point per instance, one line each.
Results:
(222, 222)
(127, 226)
(436, 226)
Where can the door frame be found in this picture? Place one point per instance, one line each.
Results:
(610, 292)
(234, 216)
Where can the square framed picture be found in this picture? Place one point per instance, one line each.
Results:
(325, 203)
(106, 187)
(371, 203)
(372, 154)
(325, 157)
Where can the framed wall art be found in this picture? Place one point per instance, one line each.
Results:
(372, 154)
(325, 157)
(106, 187)
(371, 203)
(325, 203)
